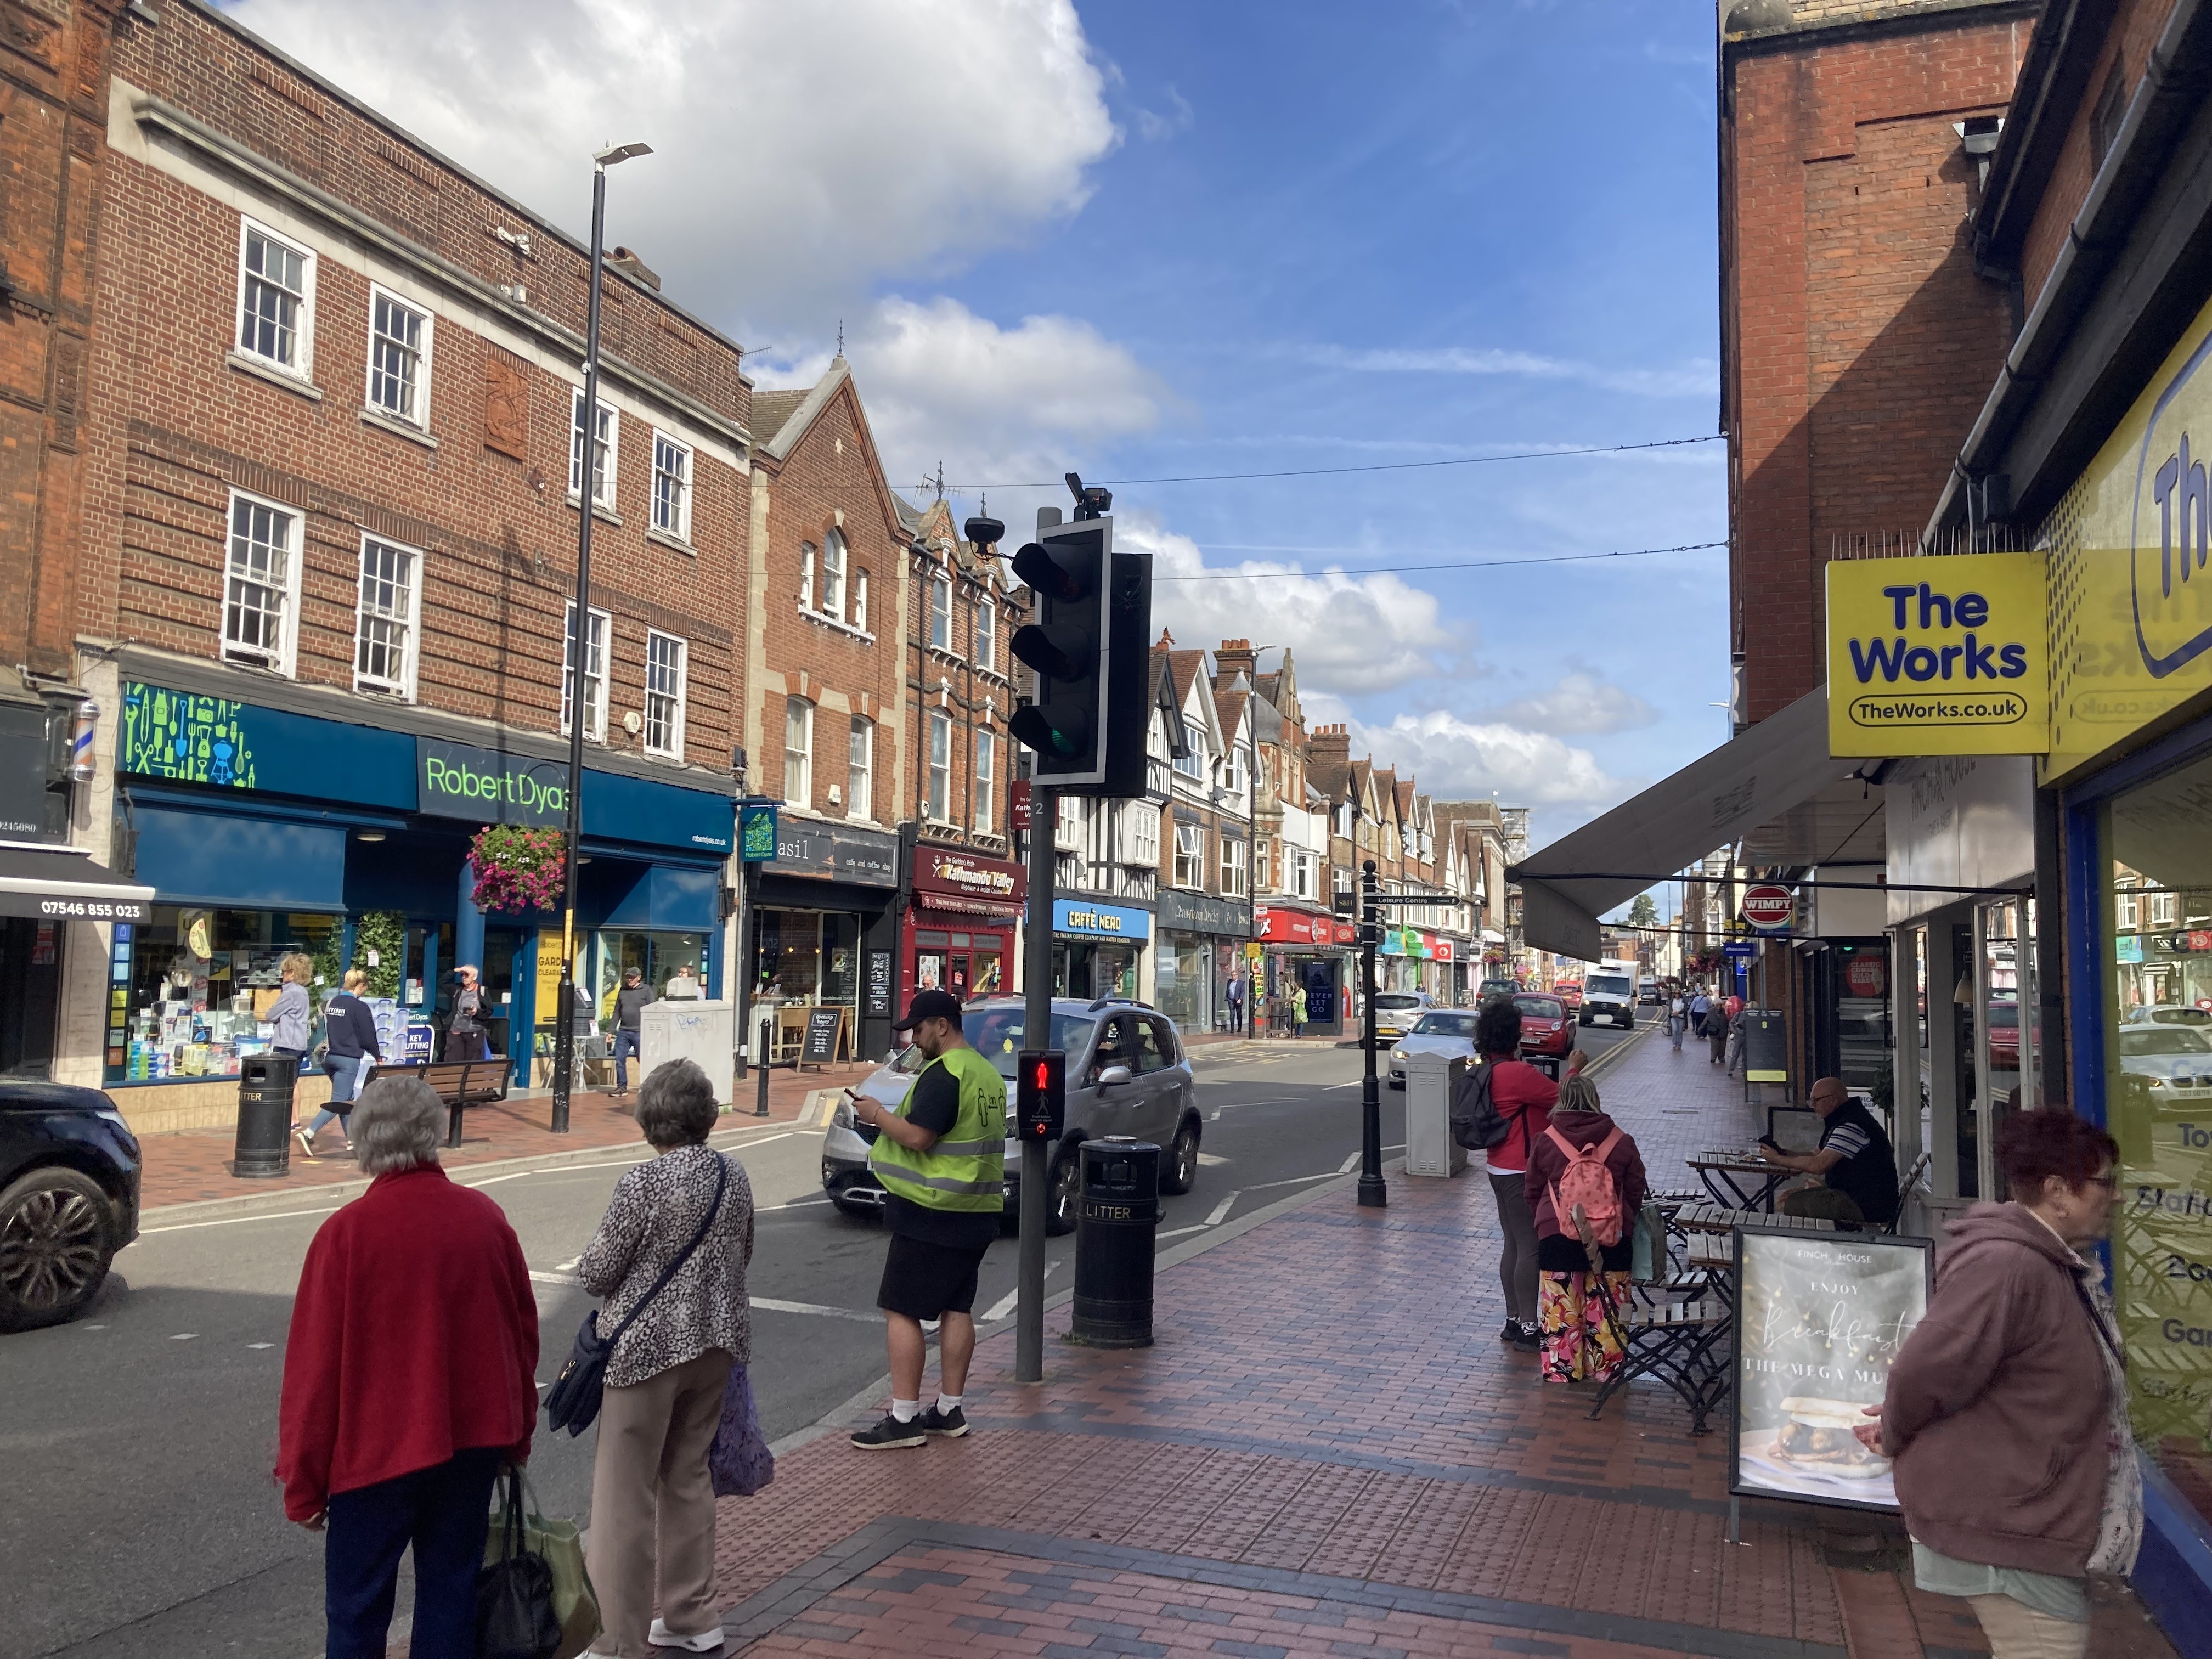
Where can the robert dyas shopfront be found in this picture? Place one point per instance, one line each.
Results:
(263, 831)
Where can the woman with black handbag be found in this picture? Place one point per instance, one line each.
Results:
(670, 1258)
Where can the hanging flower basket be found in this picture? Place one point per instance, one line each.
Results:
(518, 869)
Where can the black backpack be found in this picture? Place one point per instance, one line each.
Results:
(1476, 1123)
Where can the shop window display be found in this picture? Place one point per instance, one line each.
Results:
(189, 990)
(657, 957)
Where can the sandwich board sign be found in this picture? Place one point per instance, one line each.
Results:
(1820, 1318)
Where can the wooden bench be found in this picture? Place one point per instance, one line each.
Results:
(460, 1084)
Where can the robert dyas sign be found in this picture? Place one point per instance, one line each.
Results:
(460, 781)
(1938, 656)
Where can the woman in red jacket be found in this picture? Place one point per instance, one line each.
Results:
(409, 1376)
(1523, 1098)
(1578, 1345)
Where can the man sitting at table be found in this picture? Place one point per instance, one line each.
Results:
(1854, 1156)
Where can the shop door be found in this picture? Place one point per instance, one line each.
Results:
(30, 990)
(510, 961)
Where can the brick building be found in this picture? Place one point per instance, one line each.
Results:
(333, 460)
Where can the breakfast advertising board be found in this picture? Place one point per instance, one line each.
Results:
(1819, 1319)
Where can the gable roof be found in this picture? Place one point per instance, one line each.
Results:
(771, 410)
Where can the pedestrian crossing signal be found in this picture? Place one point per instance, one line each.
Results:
(1041, 1092)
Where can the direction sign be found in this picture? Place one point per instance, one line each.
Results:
(1739, 951)
(1767, 906)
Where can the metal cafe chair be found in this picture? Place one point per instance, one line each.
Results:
(1905, 1188)
(1679, 1342)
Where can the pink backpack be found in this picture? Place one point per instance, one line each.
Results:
(1587, 1181)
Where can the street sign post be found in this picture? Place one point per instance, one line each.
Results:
(1739, 951)
(1768, 906)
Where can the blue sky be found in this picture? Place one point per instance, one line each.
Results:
(1148, 240)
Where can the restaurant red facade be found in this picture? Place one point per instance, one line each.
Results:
(958, 931)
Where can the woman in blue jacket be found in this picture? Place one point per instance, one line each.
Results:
(350, 1030)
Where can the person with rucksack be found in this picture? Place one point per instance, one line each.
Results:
(1584, 1160)
(1503, 1106)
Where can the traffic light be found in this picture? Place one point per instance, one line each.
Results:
(1040, 1093)
(1089, 647)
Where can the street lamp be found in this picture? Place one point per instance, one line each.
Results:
(580, 642)
(1373, 1193)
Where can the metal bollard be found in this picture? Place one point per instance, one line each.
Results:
(1117, 1216)
(265, 1085)
(760, 1100)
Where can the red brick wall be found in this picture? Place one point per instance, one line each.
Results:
(174, 427)
(948, 683)
(1859, 343)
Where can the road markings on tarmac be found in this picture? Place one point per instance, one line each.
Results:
(1221, 1210)
(1349, 1164)
(1209, 1160)
(185, 1336)
(766, 1304)
(261, 1344)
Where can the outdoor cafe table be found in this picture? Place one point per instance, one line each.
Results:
(1720, 1169)
(1719, 1219)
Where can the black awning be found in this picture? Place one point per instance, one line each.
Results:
(61, 883)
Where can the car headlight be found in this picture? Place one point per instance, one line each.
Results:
(842, 1117)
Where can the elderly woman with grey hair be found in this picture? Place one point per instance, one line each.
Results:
(409, 1376)
(688, 1206)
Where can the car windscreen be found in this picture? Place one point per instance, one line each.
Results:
(2180, 1017)
(2004, 1016)
(1609, 985)
(1446, 1025)
(996, 1033)
(1541, 1007)
(2162, 1040)
(1396, 1000)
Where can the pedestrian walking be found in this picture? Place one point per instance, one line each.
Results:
(1678, 1016)
(1583, 1159)
(1297, 1011)
(2006, 1410)
(410, 1378)
(465, 1032)
(653, 1508)
(1236, 1004)
(1701, 1005)
(1523, 1097)
(1716, 1033)
(349, 1030)
(629, 1008)
(1737, 1017)
(1854, 1157)
(290, 1017)
(940, 1158)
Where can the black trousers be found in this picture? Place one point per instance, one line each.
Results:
(440, 1513)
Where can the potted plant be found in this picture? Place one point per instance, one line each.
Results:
(518, 868)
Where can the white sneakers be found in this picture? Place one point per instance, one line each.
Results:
(706, 1642)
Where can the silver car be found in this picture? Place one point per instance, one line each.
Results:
(1126, 1075)
(1446, 1032)
(1397, 1013)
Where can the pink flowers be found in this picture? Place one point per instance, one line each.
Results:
(518, 869)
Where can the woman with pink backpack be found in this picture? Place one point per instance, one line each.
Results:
(1583, 1159)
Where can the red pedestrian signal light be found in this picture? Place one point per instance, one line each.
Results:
(1040, 1093)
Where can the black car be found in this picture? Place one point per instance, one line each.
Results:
(68, 1199)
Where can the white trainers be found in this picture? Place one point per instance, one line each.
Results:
(706, 1642)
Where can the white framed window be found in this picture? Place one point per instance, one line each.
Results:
(605, 445)
(940, 610)
(832, 590)
(987, 635)
(860, 770)
(986, 779)
(399, 338)
(806, 575)
(1301, 873)
(1259, 866)
(1190, 855)
(276, 299)
(939, 806)
(1142, 848)
(261, 584)
(2165, 908)
(1191, 763)
(798, 751)
(385, 619)
(666, 663)
(671, 487)
(1233, 854)
(861, 600)
(595, 673)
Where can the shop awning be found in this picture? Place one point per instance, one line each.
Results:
(966, 907)
(62, 884)
(1764, 775)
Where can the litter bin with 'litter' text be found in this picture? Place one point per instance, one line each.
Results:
(265, 1083)
(1116, 1217)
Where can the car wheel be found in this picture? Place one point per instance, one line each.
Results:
(1180, 1172)
(57, 1239)
(1063, 1193)
(1397, 1082)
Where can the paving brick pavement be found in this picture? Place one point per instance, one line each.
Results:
(192, 1166)
(1328, 1451)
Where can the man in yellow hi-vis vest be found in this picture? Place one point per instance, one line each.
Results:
(941, 1159)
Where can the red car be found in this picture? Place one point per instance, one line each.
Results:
(1569, 991)
(1547, 1028)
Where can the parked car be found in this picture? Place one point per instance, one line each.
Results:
(1444, 1032)
(68, 1199)
(1497, 987)
(2168, 1013)
(2174, 1061)
(1397, 1013)
(1609, 999)
(1547, 1027)
(1126, 1075)
(2004, 1036)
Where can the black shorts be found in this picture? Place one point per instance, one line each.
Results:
(925, 1281)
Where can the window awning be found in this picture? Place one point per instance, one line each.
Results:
(63, 883)
(1748, 782)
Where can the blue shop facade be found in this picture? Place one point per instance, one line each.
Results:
(264, 831)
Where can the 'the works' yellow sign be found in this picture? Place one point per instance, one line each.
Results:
(1938, 656)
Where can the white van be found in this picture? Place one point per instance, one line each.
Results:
(1609, 995)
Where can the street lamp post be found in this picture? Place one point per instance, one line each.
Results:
(579, 642)
(1373, 1195)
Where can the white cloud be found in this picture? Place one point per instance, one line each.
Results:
(1699, 377)
(1579, 703)
(1459, 759)
(1349, 634)
(1154, 127)
(802, 151)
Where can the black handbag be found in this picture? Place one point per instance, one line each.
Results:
(573, 1402)
(515, 1617)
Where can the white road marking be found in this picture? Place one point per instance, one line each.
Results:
(494, 1181)
(1211, 1160)
(1221, 1210)
(793, 1203)
(539, 1277)
(1215, 1117)
(230, 1221)
(260, 1344)
(185, 1336)
(1294, 1181)
(764, 1140)
(1349, 1164)
(91, 1328)
(771, 1305)
(1179, 1231)
(1001, 1308)
(569, 1265)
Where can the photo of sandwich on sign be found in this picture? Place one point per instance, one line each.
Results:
(1814, 1443)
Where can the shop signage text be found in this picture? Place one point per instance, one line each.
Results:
(1100, 921)
(1767, 906)
(459, 781)
(806, 846)
(1201, 913)
(995, 879)
(1938, 656)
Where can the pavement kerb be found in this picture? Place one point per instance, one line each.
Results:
(841, 1418)
(315, 1200)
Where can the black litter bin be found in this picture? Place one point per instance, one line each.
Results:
(1118, 1214)
(265, 1085)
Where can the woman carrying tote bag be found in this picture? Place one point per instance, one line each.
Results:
(666, 1375)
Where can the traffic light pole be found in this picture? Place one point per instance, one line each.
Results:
(1037, 1033)
(1373, 1195)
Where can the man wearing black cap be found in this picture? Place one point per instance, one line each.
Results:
(941, 1159)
